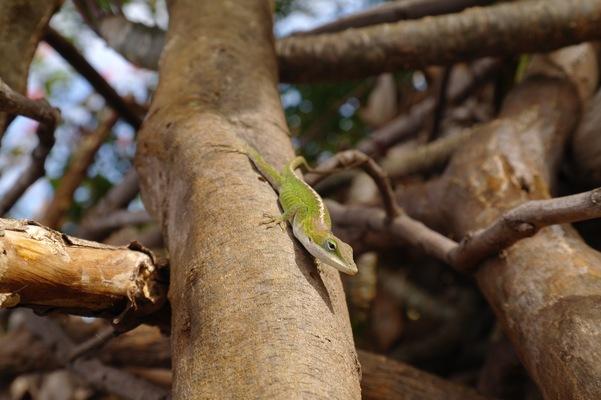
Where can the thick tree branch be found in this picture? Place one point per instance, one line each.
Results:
(394, 11)
(207, 204)
(47, 270)
(142, 44)
(504, 29)
(83, 157)
(427, 156)
(82, 66)
(40, 110)
(138, 43)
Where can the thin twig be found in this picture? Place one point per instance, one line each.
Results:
(40, 110)
(441, 102)
(354, 158)
(95, 342)
(81, 65)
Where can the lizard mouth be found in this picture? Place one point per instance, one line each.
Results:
(347, 268)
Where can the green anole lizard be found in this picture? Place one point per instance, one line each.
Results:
(304, 209)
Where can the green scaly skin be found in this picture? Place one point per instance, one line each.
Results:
(305, 210)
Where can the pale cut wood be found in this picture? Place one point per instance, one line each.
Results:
(44, 269)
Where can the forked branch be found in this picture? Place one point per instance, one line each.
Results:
(48, 116)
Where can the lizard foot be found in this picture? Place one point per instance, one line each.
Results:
(270, 221)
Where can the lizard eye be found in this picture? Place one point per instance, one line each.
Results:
(330, 245)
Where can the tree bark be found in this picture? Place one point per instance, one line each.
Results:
(503, 29)
(586, 144)
(545, 290)
(47, 270)
(248, 302)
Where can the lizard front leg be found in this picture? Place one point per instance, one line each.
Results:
(271, 220)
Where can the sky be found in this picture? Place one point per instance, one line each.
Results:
(51, 77)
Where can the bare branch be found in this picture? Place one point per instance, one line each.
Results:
(524, 221)
(40, 110)
(95, 342)
(521, 222)
(406, 124)
(441, 103)
(81, 65)
(118, 219)
(384, 378)
(94, 372)
(76, 173)
(404, 228)
(117, 197)
(586, 144)
(497, 30)
(427, 156)
(138, 43)
(394, 11)
(23, 24)
(353, 158)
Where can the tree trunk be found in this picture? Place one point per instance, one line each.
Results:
(287, 333)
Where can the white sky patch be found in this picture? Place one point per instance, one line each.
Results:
(310, 14)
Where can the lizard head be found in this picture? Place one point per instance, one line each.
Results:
(334, 252)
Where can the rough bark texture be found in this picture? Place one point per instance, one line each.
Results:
(44, 269)
(22, 23)
(287, 334)
(496, 30)
(545, 290)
